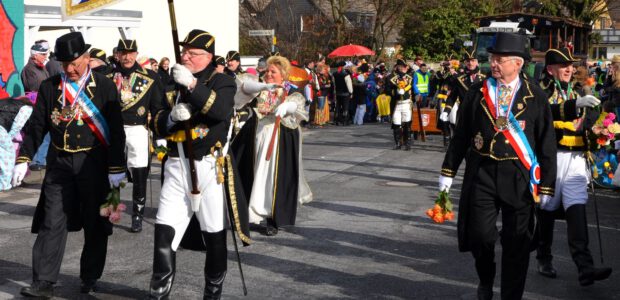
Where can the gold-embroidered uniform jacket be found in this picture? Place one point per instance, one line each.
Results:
(460, 87)
(70, 135)
(140, 88)
(212, 102)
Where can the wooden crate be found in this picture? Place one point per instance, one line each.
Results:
(429, 120)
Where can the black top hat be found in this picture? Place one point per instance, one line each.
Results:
(127, 45)
(70, 46)
(233, 55)
(199, 39)
(507, 43)
(559, 56)
(98, 54)
(218, 60)
(401, 62)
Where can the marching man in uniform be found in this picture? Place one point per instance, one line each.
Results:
(398, 86)
(233, 61)
(139, 89)
(81, 111)
(505, 132)
(205, 99)
(572, 115)
(461, 84)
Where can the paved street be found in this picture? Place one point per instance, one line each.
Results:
(365, 236)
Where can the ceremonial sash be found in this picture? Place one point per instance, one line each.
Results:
(518, 141)
(93, 117)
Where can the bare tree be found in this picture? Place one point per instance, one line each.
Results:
(389, 16)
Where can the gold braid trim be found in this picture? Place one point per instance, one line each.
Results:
(209, 103)
(233, 201)
(23, 159)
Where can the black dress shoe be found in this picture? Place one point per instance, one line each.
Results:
(588, 276)
(271, 230)
(485, 292)
(546, 269)
(88, 285)
(136, 224)
(40, 289)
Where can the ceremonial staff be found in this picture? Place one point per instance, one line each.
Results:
(598, 226)
(186, 124)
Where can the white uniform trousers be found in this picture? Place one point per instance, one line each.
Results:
(136, 146)
(571, 181)
(175, 208)
(402, 112)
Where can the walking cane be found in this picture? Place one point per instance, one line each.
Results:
(232, 232)
(421, 132)
(598, 227)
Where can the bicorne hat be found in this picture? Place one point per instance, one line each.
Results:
(507, 43)
(218, 60)
(401, 62)
(199, 39)
(70, 46)
(98, 54)
(127, 45)
(233, 55)
(559, 56)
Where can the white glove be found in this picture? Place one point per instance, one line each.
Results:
(544, 200)
(161, 143)
(286, 108)
(181, 112)
(182, 75)
(251, 86)
(587, 101)
(19, 172)
(115, 179)
(401, 91)
(444, 116)
(445, 183)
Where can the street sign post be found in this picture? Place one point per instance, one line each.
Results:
(265, 32)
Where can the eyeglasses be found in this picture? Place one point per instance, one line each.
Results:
(191, 53)
(499, 60)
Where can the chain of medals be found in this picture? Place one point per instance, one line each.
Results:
(125, 86)
(504, 105)
(73, 110)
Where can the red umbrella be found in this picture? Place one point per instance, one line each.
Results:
(351, 50)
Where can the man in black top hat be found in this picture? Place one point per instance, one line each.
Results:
(205, 100)
(569, 107)
(139, 89)
(505, 132)
(233, 61)
(399, 87)
(85, 158)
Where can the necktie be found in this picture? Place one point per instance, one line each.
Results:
(504, 96)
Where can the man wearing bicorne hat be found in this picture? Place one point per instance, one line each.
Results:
(398, 86)
(461, 84)
(572, 115)
(99, 62)
(139, 89)
(219, 63)
(233, 62)
(505, 132)
(82, 114)
(205, 99)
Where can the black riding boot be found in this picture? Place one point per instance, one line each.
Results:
(577, 235)
(139, 197)
(397, 133)
(216, 264)
(486, 275)
(406, 134)
(543, 251)
(164, 263)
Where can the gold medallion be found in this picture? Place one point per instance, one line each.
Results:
(520, 106)
(55, 116)
(501, 123)
(66, 111)
(478, 141)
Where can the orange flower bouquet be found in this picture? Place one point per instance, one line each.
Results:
(161, 152)
(442, 211)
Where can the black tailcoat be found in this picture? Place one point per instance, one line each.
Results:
(475, 139)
